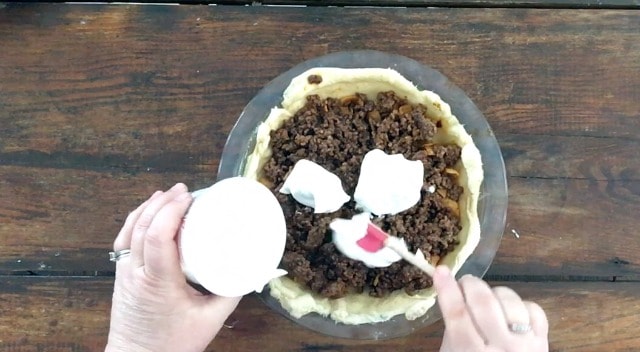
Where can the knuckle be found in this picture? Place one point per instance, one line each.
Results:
(502, 289)
(534, 307)
(537, 314)
(457, 312)
(535, 310)
(153, 238)
(117, 243)
(506, 293)
(471, 282)
(476, 290)
(144, 221)
(132, 216)
(484, 298)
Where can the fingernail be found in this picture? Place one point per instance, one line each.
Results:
(184, 196)
(155, 194)
(443, 270)
(179, 186)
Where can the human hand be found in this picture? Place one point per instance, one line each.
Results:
(477, 318)
(154, 308)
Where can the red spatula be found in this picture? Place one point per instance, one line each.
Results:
(376, 239)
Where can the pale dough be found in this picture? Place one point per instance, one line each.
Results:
(337, 82)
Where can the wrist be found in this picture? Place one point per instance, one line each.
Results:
(121, 345)
(130, 348)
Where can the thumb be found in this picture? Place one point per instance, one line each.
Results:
(216, 309)
(443, 279)
(456, 316)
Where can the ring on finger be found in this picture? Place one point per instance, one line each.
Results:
(519, 328)
(515, 311)
(117, 255)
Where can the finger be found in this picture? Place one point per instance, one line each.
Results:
(161, 259)
(484, 308)
(515, 311)
(123, 240)
(537, 319)
(144, 221)
(217, 309)
(455, 314)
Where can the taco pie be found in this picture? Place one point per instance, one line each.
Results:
(333, 117)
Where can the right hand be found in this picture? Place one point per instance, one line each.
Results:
(477, 317)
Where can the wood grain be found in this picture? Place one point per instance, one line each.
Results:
(101, 105)
(570, 228)
(71, 231)
(551, 72)
(63, 221)
(580, 4)
(72, 314)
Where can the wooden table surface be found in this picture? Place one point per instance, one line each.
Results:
(102, 104)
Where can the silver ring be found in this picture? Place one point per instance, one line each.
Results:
(117, 255)
(519, 328)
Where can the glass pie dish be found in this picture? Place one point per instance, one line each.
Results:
(492, 204)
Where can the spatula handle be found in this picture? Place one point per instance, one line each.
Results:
(399, 247)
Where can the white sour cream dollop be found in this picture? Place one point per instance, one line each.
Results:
(316, 187)
(346, 234)
(388, 184)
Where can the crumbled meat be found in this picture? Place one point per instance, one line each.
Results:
(314, 79)
(336, 134)
(299, 266)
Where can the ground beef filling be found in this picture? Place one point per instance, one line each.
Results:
(336, 134)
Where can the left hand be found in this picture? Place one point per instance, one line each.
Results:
(154, 308)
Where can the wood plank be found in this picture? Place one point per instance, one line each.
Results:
(565, 225)
(570, 228)
(567, 4)
(537, 156)
(71, 314)
(571, 4)
(63, 221)
(570, 157)
(530, 71)
(87, 130)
